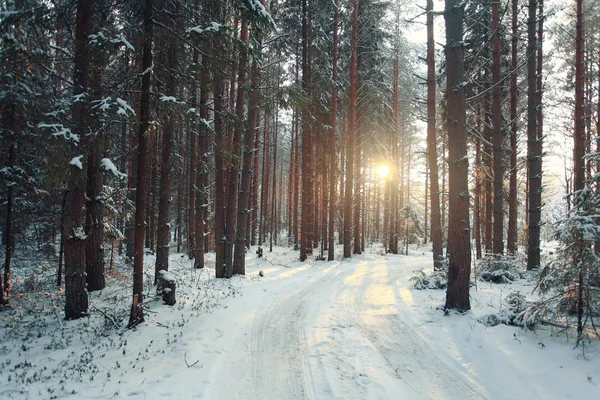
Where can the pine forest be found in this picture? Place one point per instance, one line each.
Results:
(268, 199)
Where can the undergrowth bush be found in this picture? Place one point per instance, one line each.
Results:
(499, 269)
(437, 279)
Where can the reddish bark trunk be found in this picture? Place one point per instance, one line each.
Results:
(348, 228)
(534, 147)
(459, 272)
(137, 312)
(512, 197)
(498, 135)
(432, 159)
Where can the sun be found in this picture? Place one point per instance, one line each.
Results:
(383, 171)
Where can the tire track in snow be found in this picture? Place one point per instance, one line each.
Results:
(369, 300)
(279, 350)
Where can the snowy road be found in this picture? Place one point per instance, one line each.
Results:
(352, 329)
(335, 333)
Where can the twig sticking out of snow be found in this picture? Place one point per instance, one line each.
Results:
(186, 363)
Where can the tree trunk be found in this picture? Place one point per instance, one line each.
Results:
(579, 151)
(166, 166)
(137, 311)
(498, 135)
(348, 197)
(332, 140)
(202, 175)
(434, 190)
(534, 175)
(8, 233)
(239, 261)
(307, 179)
(221, 267)
(457, 295)
(94, 253)
(477, 200)
(76, 296)
(512, 197)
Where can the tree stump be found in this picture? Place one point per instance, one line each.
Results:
(166, 287)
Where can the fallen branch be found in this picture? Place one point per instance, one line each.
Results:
(186, 363)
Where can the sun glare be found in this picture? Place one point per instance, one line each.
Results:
(383, 171)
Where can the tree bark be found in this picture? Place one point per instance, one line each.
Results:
(76, 304)
(498, 135)
(457, 295)
(332, 141)
(534, 175)
(221, 244)
(512, 197)
(307, 179)
(166, 165)
(348, 195)
(434, 189)
(137, 311)
(239, 261)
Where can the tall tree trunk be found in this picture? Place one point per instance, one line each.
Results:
(489, 164)
(137, 312)
(272, 223)
(307, 178)
(94, 252)
(512, 197)
(221, 244)
(193, 162)
(8, 233)
(348, 228)
(534, 175)
(579, 152)
(498, 135)
(166, 166)
(266, 173)
(76, 304)
(457, 295)
(477, 200)
(235, 163)
(239, 260)
(332, 141)
(202, 175)
(434, 191)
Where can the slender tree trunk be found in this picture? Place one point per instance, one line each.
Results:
(266, 173)
(8, 233)
(272, 223)
(94, 252)
(203, 161)
(457, 295)
(332, 141)
(512, 197)
(579, 152)
(434, 191)
(498, 135)
(477, 201)
(348, 228)
(533, 145)
(290, 203)
(76, 304)
(236, 159)
(193, 162)
(137, 311)
(239, 261)
(166, 166)
(307, 178)
(221, 267)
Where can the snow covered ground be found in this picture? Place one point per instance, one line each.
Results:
(348, 329)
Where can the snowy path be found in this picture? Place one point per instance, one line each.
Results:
(351, 329)
(336, 334)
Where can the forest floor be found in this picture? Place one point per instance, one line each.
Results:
(347, 329)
